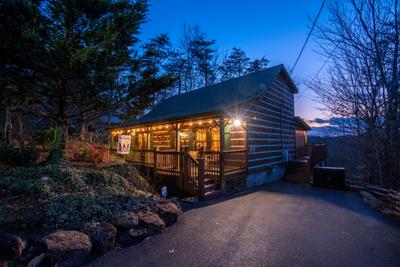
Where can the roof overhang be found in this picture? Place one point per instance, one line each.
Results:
(301, 124)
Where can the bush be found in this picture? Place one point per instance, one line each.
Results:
(44, 138)
(57, 196)
(130, 173)
(24, 155)
(83, 151)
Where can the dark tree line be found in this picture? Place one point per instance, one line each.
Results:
(362, 41)
(74, 62)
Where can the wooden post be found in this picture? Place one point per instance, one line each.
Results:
(185, 167)
(178, 143)
(221, 149)
(201, 177)
(181, 168)
(154, 169)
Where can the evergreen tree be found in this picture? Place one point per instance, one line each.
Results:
(204, 55)
(257, 64)
(84, 70)
(235, 64)
(21, 49)
(176, 68)
(154, 61)
(190, 77)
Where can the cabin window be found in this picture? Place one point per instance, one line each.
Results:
(184, 138)
(201, 139)
(162, 139)
(215, 139)
(143, 141)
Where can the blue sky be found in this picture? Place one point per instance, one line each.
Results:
(276, 29)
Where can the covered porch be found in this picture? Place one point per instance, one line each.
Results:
(202, 154)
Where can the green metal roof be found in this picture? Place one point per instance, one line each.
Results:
(214, 98)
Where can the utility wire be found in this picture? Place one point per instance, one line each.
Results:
(323, 65)
(308, 36)
(316, 75)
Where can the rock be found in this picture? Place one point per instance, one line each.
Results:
(103, 237)
(29, 253)
(190, 200)
(66, 248)
(152, 222)
(126, 220)
(36, 260)
(169, 213)
(131, 237)
(11, 247)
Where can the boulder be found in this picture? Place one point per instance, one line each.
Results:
(132, 236)
(66, 248)
(36, 261)
(152, 222)
(11, 247)
(126, 220)
(169, 213)
(103, 237)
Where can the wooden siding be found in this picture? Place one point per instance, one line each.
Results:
(270, 127)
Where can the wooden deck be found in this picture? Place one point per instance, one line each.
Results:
(300, 169)
(198, 172)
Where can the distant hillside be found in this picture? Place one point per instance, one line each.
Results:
(346, 151)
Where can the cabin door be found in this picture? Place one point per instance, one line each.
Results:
(143, 141)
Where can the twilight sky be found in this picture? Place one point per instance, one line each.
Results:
(276, 29)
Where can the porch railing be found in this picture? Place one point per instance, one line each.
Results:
(318, 154)
(193, 170)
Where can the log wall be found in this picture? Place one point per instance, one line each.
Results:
(270, 127)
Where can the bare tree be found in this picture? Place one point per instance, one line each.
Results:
(361, 39)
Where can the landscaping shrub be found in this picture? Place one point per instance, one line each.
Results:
(130, 173)
(44, 138)
(59, 196)
(23, 155)
(87, 152)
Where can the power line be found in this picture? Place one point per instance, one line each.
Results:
(316, 75)
(308, 36)
(323, 65)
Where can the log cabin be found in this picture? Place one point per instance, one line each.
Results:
(228, 136)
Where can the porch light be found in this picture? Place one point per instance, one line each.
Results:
(190, 123)
(200, 122)
(159, 127)
(236, 122)
(210, 121)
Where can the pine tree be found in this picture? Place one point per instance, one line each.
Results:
(154, 62)
(84, 71)
(257, 64)
(235, 64)
(205, 55)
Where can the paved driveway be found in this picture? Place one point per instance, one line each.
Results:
(281, 224)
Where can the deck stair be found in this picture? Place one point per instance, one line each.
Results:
(300, 170)
(211, 190)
